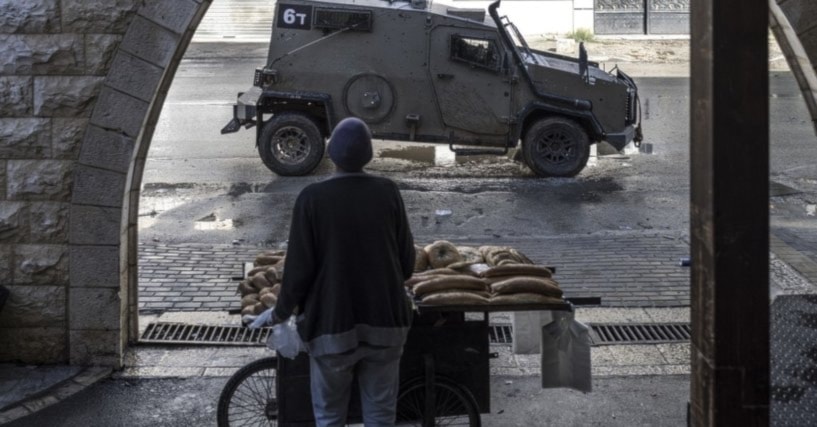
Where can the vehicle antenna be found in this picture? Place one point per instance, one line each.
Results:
(342, 30)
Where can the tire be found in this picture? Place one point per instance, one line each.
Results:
(556, 146)
(249, 397)
(454, 405)
(291, 144)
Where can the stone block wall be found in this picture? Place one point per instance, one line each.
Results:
(81, 85)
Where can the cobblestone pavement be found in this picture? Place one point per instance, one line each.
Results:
(632, 269)
(626, 269)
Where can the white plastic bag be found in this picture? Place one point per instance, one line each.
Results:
(262, 320)
(566, 353)
(285, 340)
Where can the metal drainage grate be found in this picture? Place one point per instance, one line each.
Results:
(182, 333)
(639, 333)
(500, 334)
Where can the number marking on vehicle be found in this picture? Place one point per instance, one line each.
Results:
(298, 17)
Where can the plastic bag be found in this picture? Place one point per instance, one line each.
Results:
(566, 354)
(262, 320)
(285, 340)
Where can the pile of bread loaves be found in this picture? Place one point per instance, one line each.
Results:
(259, 290)
(445, 274)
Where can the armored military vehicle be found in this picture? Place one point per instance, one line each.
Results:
(417, 71)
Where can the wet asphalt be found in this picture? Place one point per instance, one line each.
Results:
(204, 187)
(515, 401)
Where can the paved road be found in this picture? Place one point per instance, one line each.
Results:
(655, 401)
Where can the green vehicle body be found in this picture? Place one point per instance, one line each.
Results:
(428, 73)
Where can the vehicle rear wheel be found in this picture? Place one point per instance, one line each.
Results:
(556, 146)
(291, 144)
(249, 397)
(453, 406)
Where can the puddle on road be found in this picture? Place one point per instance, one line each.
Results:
(211, 222)
(436, 155)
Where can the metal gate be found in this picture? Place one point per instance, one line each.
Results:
(641, 16)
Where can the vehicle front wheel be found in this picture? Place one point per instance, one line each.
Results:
(556, 146)
(291, 144)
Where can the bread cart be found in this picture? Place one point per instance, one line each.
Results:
(444, 375)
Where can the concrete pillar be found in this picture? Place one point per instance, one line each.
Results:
(730, 213)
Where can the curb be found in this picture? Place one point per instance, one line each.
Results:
(55, 394)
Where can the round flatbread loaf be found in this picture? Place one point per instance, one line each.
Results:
(256, 270)
(484, 294)
(420, 258)
(518, 270)
(258, 308)
(245, 288)
(413, 280)
(454, 298)
(248, 309)
(442, 283)
(263, 259)
(259, 281)
(442, 253)
(470, 254)
(527, 284)
(268, 300)
(249, 300)
(525, 298)
(437, 272)
(462, 267)
(524, 259)
(271, 274)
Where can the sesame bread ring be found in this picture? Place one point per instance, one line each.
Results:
(442, 253)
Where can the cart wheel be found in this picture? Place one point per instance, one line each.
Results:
(454, 405)
(249, 397)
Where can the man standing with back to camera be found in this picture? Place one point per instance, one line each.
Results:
(350, 250)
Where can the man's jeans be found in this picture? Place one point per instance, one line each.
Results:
(378, 372)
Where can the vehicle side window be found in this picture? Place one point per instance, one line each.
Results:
(478, 52)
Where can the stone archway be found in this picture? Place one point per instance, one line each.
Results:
(792, 23)
(102, 297)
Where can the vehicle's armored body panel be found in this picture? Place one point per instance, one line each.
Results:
(424, 73)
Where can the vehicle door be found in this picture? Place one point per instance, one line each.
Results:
(472, 88)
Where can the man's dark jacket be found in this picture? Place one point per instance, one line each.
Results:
(350, 250)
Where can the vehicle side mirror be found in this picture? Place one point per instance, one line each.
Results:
(583, 71)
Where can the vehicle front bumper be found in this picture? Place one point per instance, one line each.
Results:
(620, 139)
(244, 111)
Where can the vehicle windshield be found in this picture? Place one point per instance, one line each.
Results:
(519, 42)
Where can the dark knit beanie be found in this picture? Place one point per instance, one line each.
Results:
(350, 146)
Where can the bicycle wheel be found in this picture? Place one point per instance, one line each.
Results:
(453, 406)
(249, 397)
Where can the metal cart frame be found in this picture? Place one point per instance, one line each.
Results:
(444, 348)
